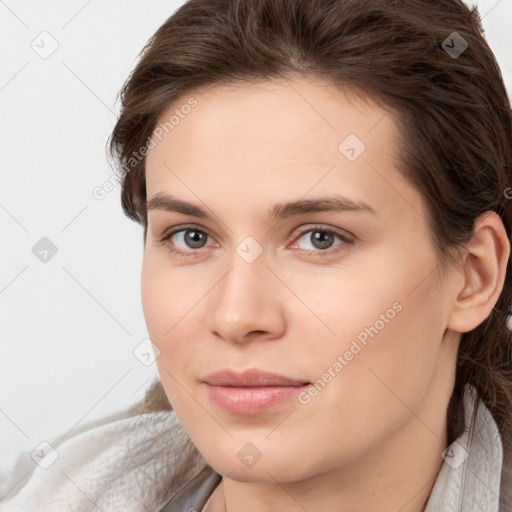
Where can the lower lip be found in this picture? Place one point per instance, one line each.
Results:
(248, 401)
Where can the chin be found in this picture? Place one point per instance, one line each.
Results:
(266, 469)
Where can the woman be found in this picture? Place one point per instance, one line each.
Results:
(324, 188)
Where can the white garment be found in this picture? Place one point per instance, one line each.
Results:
(469, 479)
(136, 463)
(131, 464)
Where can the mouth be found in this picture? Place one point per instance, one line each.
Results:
(251, 392)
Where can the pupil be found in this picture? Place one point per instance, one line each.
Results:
(321, 240)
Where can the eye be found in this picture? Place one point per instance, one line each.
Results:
(321, 239)
(186, 240)
(318, 240)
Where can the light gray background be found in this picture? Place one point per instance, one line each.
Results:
(69, 326)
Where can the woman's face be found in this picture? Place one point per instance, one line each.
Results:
(278, 270)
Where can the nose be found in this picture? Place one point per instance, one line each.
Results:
(247, 304)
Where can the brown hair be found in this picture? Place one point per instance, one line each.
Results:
(453, 115)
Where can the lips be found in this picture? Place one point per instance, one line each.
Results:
(251, 392)
(251, 378)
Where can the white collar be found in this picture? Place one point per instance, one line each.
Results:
(469, 479)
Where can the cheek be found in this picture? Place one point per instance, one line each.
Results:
(386, 314)
(161, 304)
(170, 298)
(155, 300)
(389, 328)
(167, 295)
(159, 299)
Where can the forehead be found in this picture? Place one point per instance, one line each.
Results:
(279, 114)
(270, 139)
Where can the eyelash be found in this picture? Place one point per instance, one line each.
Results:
(331, 252)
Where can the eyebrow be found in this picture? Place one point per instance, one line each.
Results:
(335, 203)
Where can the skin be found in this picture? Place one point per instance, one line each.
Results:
(372, 438)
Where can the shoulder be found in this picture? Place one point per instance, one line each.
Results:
(132, 461)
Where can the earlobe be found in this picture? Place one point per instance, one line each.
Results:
(484, 268)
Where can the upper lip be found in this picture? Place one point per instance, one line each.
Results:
(250, 378)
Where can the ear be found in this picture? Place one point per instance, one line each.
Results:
(484, 266)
